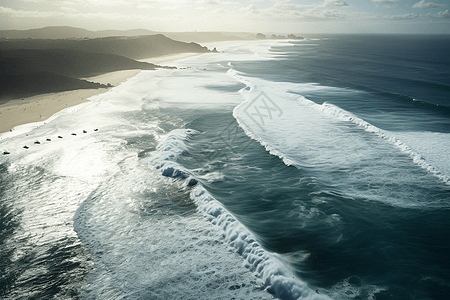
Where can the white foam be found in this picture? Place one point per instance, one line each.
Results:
(325, 137)
(356, 289)
(145, 246)
(147, 243)
(431, 148)
(276, 275)
(439, 156)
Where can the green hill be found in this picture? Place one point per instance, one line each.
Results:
(34, 66)
(74, 63)
(132, 47)
(13, 86)
(27, 72)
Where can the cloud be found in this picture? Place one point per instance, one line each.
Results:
(288, 11)
(68, 9)
(253, 15)
(422, 4)
(336, 3)
(385, 1)
(82, 2)
(219, 11)
(215, 2)
(402, 17)
(109, 3)
(208, 2)
(173, 7)
(145, 6)
(66, 15)
(442, 15)
(252, 8)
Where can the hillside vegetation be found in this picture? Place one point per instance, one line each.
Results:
(33, 66)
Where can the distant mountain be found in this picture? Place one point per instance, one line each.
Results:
(132, 47)
(51, 32)
(67, 32)
(131, 32)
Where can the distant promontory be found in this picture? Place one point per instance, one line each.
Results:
(261, 36)
(35, 66)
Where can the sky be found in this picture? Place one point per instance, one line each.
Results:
(266, 16)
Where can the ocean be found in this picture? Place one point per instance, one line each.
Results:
(275, 169)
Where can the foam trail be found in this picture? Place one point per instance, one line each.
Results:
(288, 102)
(416, 157)
(277, 277)
(238, 76)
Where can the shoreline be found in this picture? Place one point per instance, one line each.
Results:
(39, 108)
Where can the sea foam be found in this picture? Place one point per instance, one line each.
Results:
(309, 136)
(277, 277)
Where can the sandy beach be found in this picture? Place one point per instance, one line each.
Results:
(41, 107)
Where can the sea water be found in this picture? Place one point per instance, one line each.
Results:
(303, 169)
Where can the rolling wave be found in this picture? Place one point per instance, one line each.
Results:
(277, 277)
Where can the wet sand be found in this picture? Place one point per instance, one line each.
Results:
(41, 107)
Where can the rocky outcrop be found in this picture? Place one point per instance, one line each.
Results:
(282, 37)
(293, 37)
(260, 36)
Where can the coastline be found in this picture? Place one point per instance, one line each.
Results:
(41, 107)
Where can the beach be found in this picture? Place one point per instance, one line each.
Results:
(41, 107)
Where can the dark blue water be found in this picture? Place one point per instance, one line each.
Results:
(407, 74)
(180, 195)
(396, 83)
